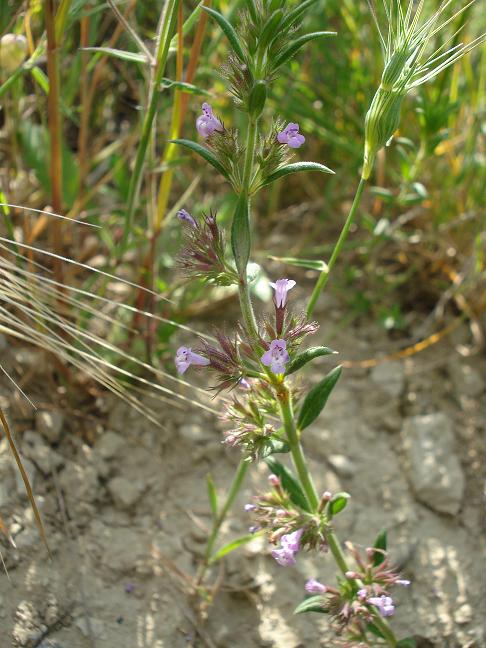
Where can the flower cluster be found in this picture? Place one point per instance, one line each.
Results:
(203, 255)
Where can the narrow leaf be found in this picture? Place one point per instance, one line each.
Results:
(241, 235)
(409, 642)
(117, 53)
(380, 544)
(296, 167)
(312, 604)
(289, 483)
(310, 264)
(306, 356)
(204, 153)
(293, 16)
(185, 87)
(213, 496)
(316, 399)
(231, 546)
(291, 50)
(375, 630)
(338, 503)
(228, 30)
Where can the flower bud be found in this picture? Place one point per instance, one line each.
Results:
(382, 120)
(13, 51)
(258, 96)
(273, 480)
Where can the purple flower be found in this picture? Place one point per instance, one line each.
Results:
(314, 587)
(207, 123)
(291, 136)
(282, 287)
(284, 557)
(362, 593)
(292, 540)
(185, 357)
(185, 216)
(254, 529)
(276, 357)
(384, 604)
(249, 507)
(244, 384)
(290, 545)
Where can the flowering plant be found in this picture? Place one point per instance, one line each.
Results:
(267, 414)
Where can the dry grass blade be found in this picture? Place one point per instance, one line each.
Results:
(25, 479)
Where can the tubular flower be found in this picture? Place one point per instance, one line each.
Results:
(207, 123)
(185, 357)
(291, 136)
(282, 287)
(276, 357)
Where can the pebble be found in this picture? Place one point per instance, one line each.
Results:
(42, 455)
(390, 376)
(49, 423)
(94, 627)
(435, 473)
(195, 433)
(109, 444)
(341, 465)
(467, 380)
(125, 493)
(19, 482)
(80, 483)
(463, 614)
(50, 643)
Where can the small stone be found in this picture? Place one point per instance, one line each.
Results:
(463, 614)
(434, 469)
(125, 493)
(42, 455)
(92, 627)
(195, 433)
(390, 376)
(109, 444)
(467, 380)
(341, 465)
(79, 483)
(49, 423)
(19, 482)
(50, 643)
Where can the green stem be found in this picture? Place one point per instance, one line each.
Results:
(298, 457)
(233, 492)
(243, 287)
(322, 281)
(166, 24)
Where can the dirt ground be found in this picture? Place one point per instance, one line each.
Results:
(126, 509)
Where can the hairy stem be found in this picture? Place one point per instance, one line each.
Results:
(298, 457)
(324, 276)
(233, 492)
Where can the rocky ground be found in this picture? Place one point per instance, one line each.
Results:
(126, 510)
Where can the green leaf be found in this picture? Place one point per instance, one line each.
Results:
(274, 446)
(380, 544)
(186, 87)
(35, 147)
(241, 235)
(310, 264)
(312, 604)
(338, 503)
(316, 399)
(231, 546)
(213, 496)
(293, 16)
(204, 153)
(409, 642)
(289, 483)
(306, 356)
(292, 49)
(296, 167)
(375, 630)
(228, 30)
(134, 57)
